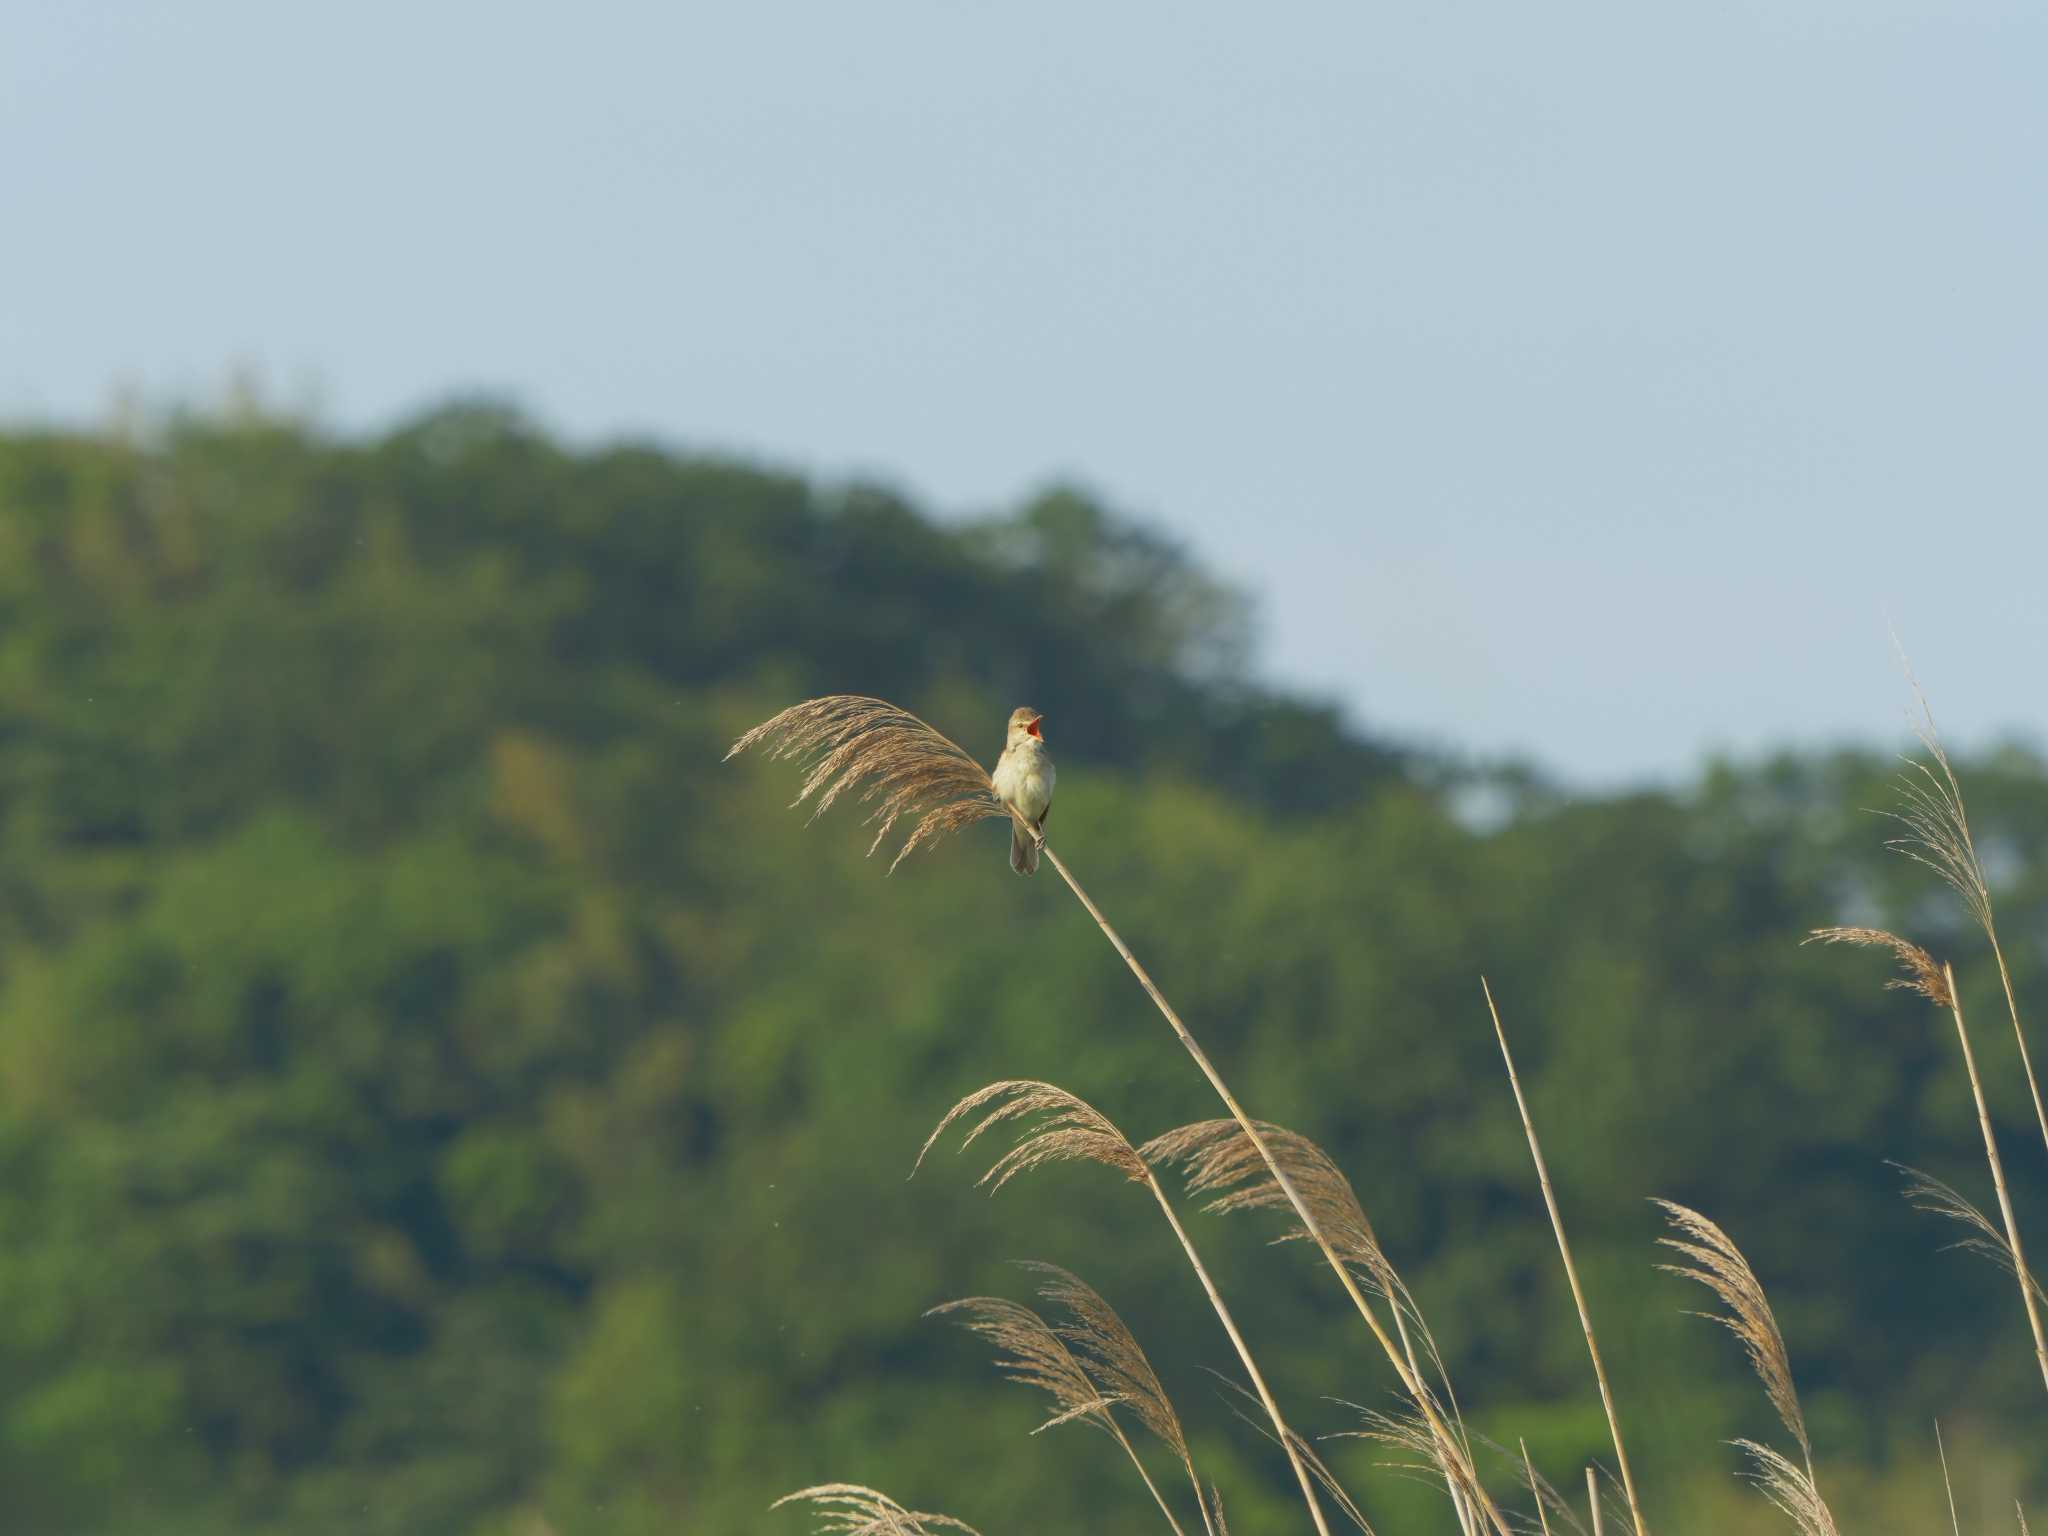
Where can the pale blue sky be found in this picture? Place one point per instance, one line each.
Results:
(1581, 379)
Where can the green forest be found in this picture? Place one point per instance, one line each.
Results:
(440, 1094)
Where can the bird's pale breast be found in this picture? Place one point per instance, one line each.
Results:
(1024, 778)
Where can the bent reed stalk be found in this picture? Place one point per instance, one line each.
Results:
(1071, 1129)
(1411, 1381)
(915, 770)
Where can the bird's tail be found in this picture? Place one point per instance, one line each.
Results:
(1023, 850)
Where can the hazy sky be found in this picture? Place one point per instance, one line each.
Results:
(1583, 379)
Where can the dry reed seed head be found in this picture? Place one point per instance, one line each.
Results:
(1111, 1354)
(1938, 826)
(1056, 1127)
(1219, 1161)
(1923, 973)
(1031, 1352)
(1719, 1265)
(1789, 1486)
(848, 1509)
(904, 767)
(1437, 1463)
(1924, 1192)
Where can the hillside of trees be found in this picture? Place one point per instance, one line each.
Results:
(439, 1094)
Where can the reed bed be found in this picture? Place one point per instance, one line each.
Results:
(1093, 1370)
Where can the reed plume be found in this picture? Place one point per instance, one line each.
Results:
(1938, 985)
(848, 1509)
(841, 727)
(907, 768)
(1219, 1159)
(1924, 1192)
(1919, 971)
(1938, 836)
(1033, 1353)
(1715, 1262)
(1057, 1126)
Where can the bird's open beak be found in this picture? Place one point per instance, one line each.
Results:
(1033, 727)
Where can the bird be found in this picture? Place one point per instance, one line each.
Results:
(1023, 781)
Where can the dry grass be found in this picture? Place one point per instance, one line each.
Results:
(1927, 1193)
(1922, 973)
(1937, 983)
(1057, 1126)
(1115, 1359)
(1219, 1160)
(1033, 1353)
(1715, 1262)
(1938, 836)
(1571, 1270)
(901, 766)
(911, 768)
(848, 1509)
(1090, 1365)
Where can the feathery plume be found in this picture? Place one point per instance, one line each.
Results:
(847, 1509)
(1219, 1161)
(1057, 1127)
(1790, 1487)
(1719, 1265)
(1087, 1366)
(1031, 1352)
(909, 768)
(1939, 837)
(1922, 973)
(1937, 826)
(1927, 1193)
(1114, 1357)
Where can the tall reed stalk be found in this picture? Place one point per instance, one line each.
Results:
(1064, 1127)
(1937, 983)
(904, 768)
(1411, 1380)
(1571, 1270)
(1938, 836)
(2012, 1231)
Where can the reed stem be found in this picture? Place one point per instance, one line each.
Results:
(1410, 1379)
(1244, 1354)
(2013, 1009)
(1571, 1270)
(2012, 1231)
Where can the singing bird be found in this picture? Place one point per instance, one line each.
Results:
(1023, 780)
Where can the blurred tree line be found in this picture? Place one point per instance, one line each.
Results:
(436, 1094)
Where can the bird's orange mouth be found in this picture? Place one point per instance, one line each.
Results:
(1033, 729)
